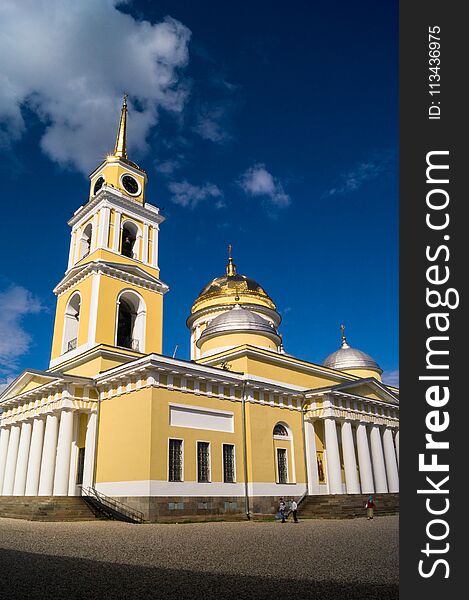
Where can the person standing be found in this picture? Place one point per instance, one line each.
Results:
(369, 507)
(282, 507)
(294, 510)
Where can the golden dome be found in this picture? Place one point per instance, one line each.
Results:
(231, 287)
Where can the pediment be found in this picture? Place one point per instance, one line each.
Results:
(27, 381)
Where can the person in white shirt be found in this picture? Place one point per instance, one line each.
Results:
(294, 510)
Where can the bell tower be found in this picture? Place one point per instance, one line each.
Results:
(110, 301)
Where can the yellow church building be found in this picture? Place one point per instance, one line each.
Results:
(230, 431)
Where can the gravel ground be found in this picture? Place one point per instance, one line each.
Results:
(323, 559)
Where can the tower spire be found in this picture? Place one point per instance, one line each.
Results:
(120, 149)
(230, 266)
(344, 339)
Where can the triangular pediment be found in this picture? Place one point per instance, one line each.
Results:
(368, 388)
(27, 381)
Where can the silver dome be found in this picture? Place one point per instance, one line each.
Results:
(239, 320)
(347, 358)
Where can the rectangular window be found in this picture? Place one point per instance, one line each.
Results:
(228, 463)
(282, 465)
(175, 460)
(203, 462)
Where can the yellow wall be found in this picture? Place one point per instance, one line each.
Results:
(364, 373)
(112, 170)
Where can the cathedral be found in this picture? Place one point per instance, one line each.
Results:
(231, 431)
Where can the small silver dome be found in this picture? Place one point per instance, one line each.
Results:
(239, 320)
(347, 358)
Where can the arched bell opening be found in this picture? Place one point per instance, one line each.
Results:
(130, 328)
(71, 323)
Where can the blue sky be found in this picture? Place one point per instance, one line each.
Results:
(272, 127)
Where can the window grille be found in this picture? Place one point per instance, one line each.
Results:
(175, 460)
(228, 463)
(203, 462)
(282, 465)
(280, 430)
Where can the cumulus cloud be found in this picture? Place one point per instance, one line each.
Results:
(15, 303)
(188, 195)
(70, 62)
(391, 377)
(257, 181)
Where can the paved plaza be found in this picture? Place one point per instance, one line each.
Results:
(323, 559)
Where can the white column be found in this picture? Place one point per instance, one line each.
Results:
(117, 230)
(89, 451)
(12, 455)
(94, 233)
(49, 451)
(334, 473)
(350, 463)
(145, 243)
(4, 439)
(311, 461)
(396, 441)
(364, 460)
(103, 235)
(64, 449)
(35, 455)
(76, 253)
(154, 261)
(22, 460)
(379, 470)
(390, 459)
(72, 249)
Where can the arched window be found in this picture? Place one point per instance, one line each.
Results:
(85, 241)
(280, 429)
(130, 330)
(129, 240)
(71, 323)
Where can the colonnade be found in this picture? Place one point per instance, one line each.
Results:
(39, 456)
(370, 457)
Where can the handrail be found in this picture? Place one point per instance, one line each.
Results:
(119, 507)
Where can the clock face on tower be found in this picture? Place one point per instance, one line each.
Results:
(130, 185)
(98, 185)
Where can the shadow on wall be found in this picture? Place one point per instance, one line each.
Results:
(36, 576)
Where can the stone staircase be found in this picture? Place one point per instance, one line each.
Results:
(46, 508)
(347, 506)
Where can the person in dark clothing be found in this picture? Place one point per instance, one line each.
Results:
(294, 510)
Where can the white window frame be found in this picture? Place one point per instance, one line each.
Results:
(182, 459)
(277, 473)
(223, 461)
(197, 461)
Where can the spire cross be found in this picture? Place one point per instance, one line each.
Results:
(230, 267)
(342, 329)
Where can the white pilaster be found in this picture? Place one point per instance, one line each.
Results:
(146, 228)
(49, 451)
(90, 440)
(22, 460)
(64, 449)
(311, 461)
(72, 249)
(364, 460)
(396, 441)
(35, 456)
(350, 462)
(390, 460)
(76, 252)
(12, 455)
(94, 233)
(4, 439)
(379, 469)
(104, 217)
(93, 320)
(117, 231)
(334, 475)
(154, 259)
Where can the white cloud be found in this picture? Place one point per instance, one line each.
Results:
(362, 173)
(209, 124)
(70, 62)
(15, 303)
(186, 194)
(257, 181)
(391, 377)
